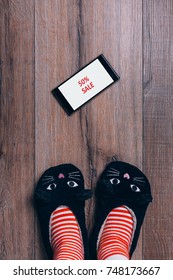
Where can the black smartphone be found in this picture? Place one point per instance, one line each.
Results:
(85, 84)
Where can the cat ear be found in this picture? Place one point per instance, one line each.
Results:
(84, 195)
(145, 199)
(105, 188)
(42, 197)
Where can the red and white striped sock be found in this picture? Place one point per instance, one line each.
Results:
(116, 235)
(65, 235)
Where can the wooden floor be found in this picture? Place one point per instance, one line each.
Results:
(41, 44)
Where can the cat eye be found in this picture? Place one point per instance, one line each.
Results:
(115, 181)
(51, 187)
(134, 188)
(72, 184)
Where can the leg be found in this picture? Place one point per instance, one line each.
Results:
(123, 195)
(60, 200)
(116, 235)
(66, 239)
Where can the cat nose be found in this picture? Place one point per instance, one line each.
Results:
(126, 176)
(61, 176)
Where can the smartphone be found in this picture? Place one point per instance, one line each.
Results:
(85, 84)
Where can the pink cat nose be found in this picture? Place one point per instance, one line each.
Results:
(126, 176)
(61, 176)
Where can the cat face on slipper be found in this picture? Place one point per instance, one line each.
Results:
(125, 181)
(61, 182)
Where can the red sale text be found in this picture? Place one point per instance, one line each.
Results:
(85, 84)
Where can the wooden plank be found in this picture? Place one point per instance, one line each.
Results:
(69, 35)
(158, 133)
(16, 129)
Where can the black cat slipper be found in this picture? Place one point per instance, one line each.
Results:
(123, 195)
(60, 199)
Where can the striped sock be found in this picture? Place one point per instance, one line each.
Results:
(65, 235)
(115, 235)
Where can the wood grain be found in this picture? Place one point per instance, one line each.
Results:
(158, 120)
(42, 44)
(16, 129)
(66, 38)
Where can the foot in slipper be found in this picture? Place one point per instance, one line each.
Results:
(123, 194)
(60, 199)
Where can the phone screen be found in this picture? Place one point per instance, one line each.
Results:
(85, 84)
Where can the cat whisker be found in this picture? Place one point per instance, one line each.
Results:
(70, 177)
(113, 175)
(137, 180)
(114, 170)
(48, 182)
(73, 172)
(74, 175)
(44, 179)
